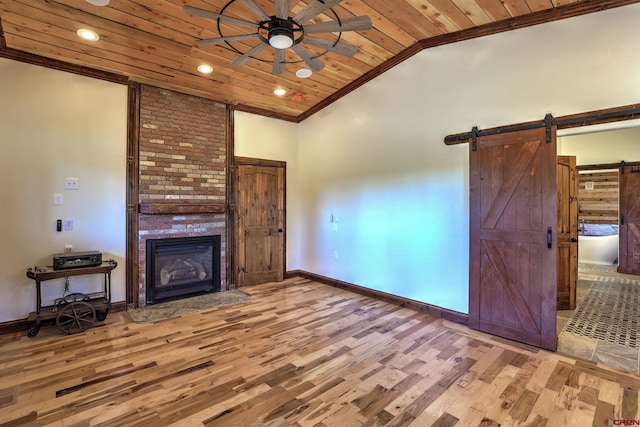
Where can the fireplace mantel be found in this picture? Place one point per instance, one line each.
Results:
(181, 208)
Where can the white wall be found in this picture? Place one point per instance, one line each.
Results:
(55, 125)
(263, 138)
(376, 158)
(610, 146)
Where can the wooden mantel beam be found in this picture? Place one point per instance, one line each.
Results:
(181, 208)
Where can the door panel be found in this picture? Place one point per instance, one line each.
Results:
(567, 232)
(629, 256)
(513, 204)
(260, 227)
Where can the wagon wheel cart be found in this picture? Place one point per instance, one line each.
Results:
(76, 312)
(76, 317)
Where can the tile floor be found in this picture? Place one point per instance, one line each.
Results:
(615, 355)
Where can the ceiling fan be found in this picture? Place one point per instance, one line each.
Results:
(281, 32)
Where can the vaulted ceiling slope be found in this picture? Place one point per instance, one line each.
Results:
(154, 42)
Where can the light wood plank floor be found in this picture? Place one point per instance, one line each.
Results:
(300, 353)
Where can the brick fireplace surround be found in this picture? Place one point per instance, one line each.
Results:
(182, 174)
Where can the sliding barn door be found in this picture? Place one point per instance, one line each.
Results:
(513, 221)
(629, 256)
(567, 232)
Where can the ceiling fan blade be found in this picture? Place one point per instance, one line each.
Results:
(314, 8)
(340, 48)
(248, 55)
(314, 63)
(219, 40)
(350, 24)
(255, 9)
(282, 8)
(279, 63)
(194, 11)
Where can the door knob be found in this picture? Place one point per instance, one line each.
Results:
(574, 240)
(280, 230)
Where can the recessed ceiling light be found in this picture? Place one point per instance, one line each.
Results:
(88, 35)
(279, 91)
(98, 2)
(205, 68)
(303, 73)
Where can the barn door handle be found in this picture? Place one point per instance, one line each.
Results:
(622, 219)
(549, 231)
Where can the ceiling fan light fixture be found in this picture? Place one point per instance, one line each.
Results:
(279, 92)
(281, 34)
(98, 2)
(279, 40)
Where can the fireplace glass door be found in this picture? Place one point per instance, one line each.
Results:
(180, 267)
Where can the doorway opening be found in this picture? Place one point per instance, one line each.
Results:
(603, 326)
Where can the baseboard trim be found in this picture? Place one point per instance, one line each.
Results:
(440, 312)
(23, 324)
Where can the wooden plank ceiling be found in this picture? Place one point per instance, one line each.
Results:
(153, 42)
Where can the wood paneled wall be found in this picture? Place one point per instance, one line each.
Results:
(600, 204)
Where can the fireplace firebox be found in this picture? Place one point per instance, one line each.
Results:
(181, 267)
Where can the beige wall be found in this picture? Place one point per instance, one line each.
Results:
(264, 138)
(55, 125)
(602, 147)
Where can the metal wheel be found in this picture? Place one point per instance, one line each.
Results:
(33, 331)
(101, 315)
(76, 317)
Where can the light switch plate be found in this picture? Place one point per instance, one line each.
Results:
(67, 224)
(57, 199)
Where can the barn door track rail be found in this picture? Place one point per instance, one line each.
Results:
(576, 120)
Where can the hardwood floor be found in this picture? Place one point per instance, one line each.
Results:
(300, 353)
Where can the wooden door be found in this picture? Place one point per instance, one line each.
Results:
(513, 218)
(629, 256)
(260, 219)
(567, 232)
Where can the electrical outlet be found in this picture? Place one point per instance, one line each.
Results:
(71, 184)
(68, 224)
(335, 254)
